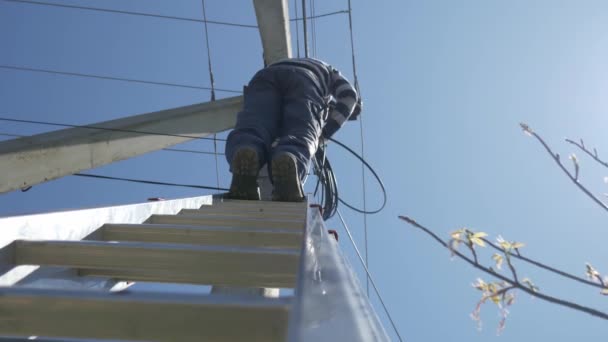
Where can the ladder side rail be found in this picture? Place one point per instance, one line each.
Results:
(329, 303)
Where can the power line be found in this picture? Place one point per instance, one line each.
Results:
(12, 135)
(352, 46)
(319, 16)
(97, 9)
(313, 28)
(215, 154)
(159, 16)
(295, 3)
(112, 78)
(105, 128)
(369, 276)
(363, 186)
(305, 29)
(212, 81)
(314, 20)
(191, 151)
(143, 181)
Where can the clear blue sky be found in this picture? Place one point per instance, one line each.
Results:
(445, 85)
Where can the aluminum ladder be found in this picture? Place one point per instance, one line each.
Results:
(237, 244)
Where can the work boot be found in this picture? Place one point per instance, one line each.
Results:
(285, 178)
(245, 168)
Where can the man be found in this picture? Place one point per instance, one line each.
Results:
(297, 101)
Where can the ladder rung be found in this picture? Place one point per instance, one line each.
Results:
(253, 213)
(252, 207)
(262, 204)
(231, 266)
(243, 237)
(141, 316)
(255, 207)
(230, 221)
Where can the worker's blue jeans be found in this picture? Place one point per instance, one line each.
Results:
(285, 103)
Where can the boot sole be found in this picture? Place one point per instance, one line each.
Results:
(286, 181)
(245, 169)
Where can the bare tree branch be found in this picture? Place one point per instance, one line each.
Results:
(510, 281)
(593, 155)
(555, 157)
(470, 245)
(546, 267)
(508, 257)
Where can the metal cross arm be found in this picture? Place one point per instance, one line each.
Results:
(35, 159)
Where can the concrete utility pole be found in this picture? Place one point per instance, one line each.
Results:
(273, 23)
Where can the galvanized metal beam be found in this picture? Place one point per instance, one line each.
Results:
(141, 316)
(39, 158)
(166, 262)
(273, 22)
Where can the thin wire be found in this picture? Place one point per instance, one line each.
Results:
(305, 29)
(217, 168)
(314, 8)
(105, 129)
(352, 46)
(11, 135)
(143, 181)
(160, 16)
(191, 151)
(369, 276)
(212, 81)
(96, 9)
(363, 186)
(313, 32)
(295, 2)
(66, 73)
(320, 15)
